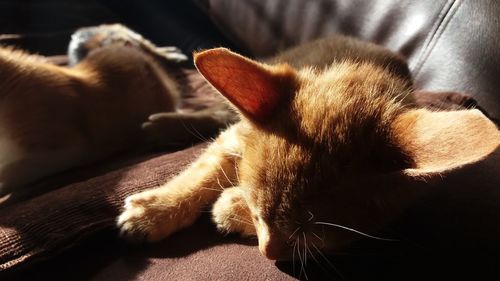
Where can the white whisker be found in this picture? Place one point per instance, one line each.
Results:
(293, 256)
(198, 136)
(240, 221)
(214, 189)
(225, 175)
(328, 261)
(312, 216)
(293, 233)
(316, 260)
(220, 185)
(320, 239)
(236, 173)
(242, 218)
(312, 256)
(305, 248)
(300, 259)
(201, 136)
(233, 154)
(357, 231)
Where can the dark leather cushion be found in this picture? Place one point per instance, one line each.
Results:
(450, 45)
(45, 26)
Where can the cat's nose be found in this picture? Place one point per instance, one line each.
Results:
(271, 250)
(271, 242)
(271, 245)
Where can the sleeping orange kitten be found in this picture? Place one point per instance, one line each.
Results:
(327, 135)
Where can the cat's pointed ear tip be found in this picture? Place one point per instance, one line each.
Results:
(200, 56)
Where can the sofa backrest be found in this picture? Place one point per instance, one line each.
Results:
(450, 44)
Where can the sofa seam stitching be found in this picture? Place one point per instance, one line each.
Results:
(447, 13)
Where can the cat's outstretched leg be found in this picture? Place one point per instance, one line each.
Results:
(172, 128)
(155, 214)
(231, 213)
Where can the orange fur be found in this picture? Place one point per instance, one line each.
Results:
(295, 162)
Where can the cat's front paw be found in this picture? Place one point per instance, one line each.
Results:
(172, 54)
(231, 213)
(151, 216)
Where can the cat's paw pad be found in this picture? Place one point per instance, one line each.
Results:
(148, 217)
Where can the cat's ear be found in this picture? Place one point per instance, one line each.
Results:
(442, 141)
(254, 88)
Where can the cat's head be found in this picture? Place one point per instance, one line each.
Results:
(320, 142)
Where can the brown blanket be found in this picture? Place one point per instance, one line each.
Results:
(86, 201)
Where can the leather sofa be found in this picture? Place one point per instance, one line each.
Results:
(450, 45)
